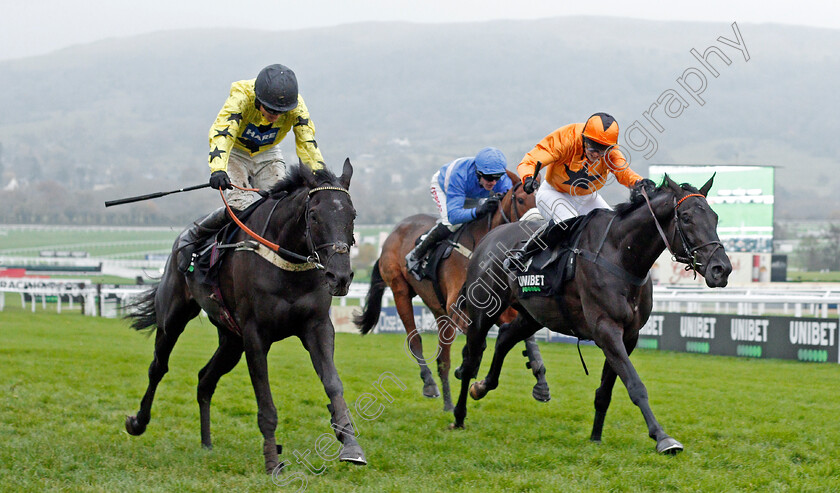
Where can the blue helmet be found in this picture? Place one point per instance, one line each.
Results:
(490, 161)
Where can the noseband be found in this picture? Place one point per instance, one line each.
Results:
(689, 256)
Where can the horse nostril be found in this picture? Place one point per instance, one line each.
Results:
(717, 271)
(330, 277)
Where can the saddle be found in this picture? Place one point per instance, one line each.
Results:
(210, 256)
(436, 255)
(209, 260)
(547, 271)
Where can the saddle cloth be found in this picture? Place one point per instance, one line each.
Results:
(547, 271)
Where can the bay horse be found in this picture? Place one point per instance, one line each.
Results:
(390, 269)
(608, 300)
(266, 293)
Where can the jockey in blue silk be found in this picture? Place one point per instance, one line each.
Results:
(481, 177)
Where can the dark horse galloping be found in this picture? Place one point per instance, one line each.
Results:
(312, 215)
(608, 300)
(391, 270)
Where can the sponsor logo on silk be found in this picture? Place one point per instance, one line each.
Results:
(533, 282)
(260, 138)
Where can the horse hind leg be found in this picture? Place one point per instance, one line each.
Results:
(223, 361)
(535, 363)
(173, 314)
(413, 342)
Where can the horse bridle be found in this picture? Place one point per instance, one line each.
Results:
(339, 247)
(689, 256)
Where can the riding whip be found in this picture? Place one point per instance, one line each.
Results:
(155, 195)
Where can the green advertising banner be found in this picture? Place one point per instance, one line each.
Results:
(742, 196)
(803, 339)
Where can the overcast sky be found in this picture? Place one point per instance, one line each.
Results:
(35, 27)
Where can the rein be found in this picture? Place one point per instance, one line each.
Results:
(309, 262)
(514, 210)
(690, 254)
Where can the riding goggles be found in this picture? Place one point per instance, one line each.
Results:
(490, 177)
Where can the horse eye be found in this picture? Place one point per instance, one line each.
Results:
(520, 200)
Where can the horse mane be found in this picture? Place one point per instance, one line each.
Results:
(637, 199)
(294, 180)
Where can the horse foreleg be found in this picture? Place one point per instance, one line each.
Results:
(223, 361)
(170, 326)
(603, 396)
(610, 340)
(509, 335)
(256, 355)
(320, 342)
(414, 344)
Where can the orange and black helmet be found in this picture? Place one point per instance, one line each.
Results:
(602, 129)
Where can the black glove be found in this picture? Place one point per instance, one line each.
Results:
(219, 179)
(489, 206)
(647, 184)
(529, 184)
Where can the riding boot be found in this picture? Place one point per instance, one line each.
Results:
(539, 240)
(193, 237)
(412, 260)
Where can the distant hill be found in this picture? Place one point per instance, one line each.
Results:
(129, 116)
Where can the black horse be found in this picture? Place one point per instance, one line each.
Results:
(609, 298)
(257, 303)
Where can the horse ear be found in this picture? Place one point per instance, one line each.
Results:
(514, 177)
(708, 186)
(346, 174)
(671, 183)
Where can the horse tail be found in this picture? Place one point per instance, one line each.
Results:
(141, 311)
(367, 319)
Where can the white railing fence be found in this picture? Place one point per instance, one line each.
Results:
(110, 301)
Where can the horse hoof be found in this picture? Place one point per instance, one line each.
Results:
(133, 426)
(448, 407)
(271, 468)
(207, 446)
(478, 390)
(458, 372)
(431, 391)
(353, 454)
(669, 446)
(456, 426)
(541, 392)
